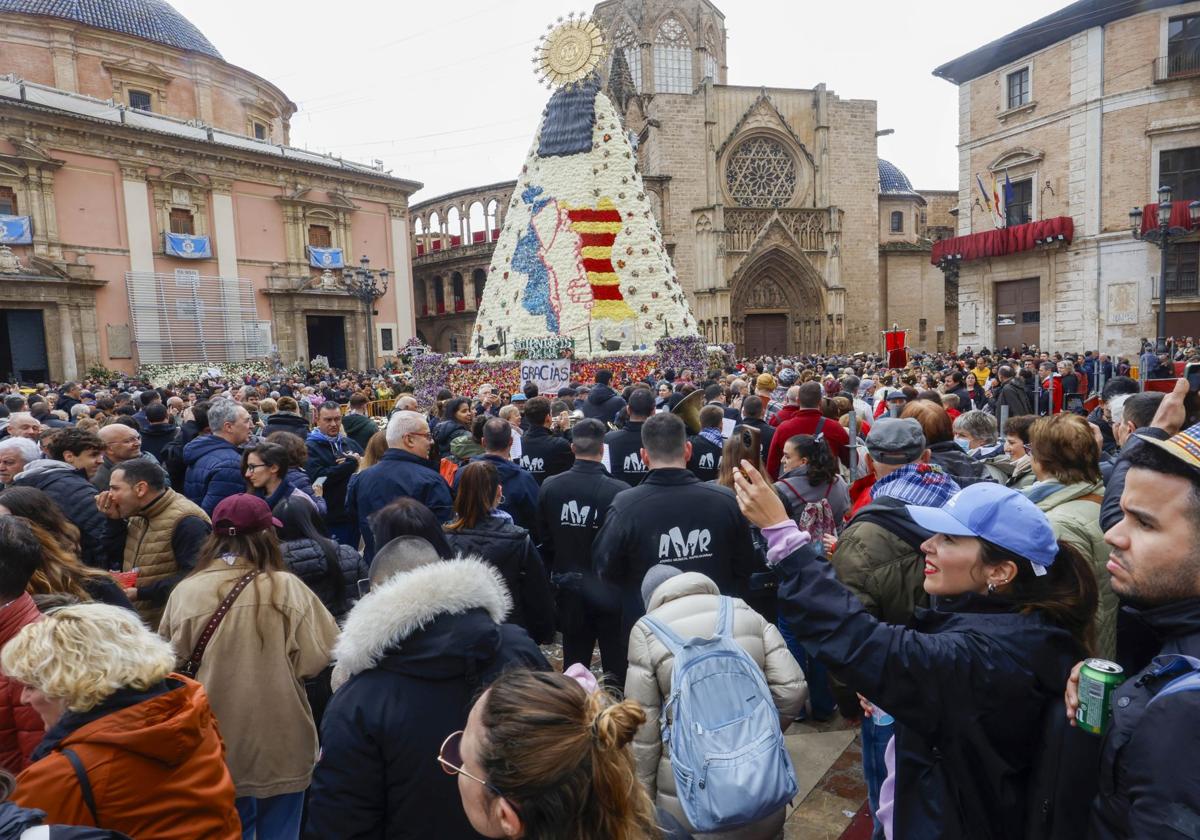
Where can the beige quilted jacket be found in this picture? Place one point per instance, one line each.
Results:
(688, 604)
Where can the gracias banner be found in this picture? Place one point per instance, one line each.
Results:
(548, 376)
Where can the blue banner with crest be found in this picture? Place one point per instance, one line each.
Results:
(15, 230)
(325, 257)
(187, 246)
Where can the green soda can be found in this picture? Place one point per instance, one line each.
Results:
(1098, 681)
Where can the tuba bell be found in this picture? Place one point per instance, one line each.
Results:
(688, 410)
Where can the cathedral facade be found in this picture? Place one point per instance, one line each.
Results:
(787, 232)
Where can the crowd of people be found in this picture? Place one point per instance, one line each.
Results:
(286, 607)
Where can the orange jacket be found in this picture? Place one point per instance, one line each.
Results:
(20, 726)
(156, 768)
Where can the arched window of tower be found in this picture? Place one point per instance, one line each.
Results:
(625, 39)
(672, 58)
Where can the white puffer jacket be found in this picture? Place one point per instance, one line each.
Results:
(688, 603)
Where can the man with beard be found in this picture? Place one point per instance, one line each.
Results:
(1149, 786)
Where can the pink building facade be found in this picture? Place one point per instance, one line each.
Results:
(151, 210)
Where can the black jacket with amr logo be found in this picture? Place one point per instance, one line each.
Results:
(673, 517)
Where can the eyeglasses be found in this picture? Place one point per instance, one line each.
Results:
(253, 467)
(450, 757)
(422, 434)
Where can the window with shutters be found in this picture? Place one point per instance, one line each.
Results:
(1018, 88)
(319, 236)
(1179, 169)
(182, 221)
(141, 100)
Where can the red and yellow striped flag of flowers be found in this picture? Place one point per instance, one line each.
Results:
(598, 228)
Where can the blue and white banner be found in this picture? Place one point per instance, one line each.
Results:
(325, 257)
(187, 246)
(15, 230)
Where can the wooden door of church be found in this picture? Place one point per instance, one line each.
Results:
(766, 335)
(1018, 312)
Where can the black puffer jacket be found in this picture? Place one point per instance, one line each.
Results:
(337, 588)
(444, 434)
(1149, 779)
(509, 548)
(75, 495)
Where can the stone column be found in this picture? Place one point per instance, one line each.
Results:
(406, 310)
(469, 290)
(146, 333)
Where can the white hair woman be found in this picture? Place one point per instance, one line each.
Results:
(129, 746)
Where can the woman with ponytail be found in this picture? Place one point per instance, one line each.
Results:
(546, 756)
(974, 682)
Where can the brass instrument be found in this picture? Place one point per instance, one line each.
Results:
(688, 410)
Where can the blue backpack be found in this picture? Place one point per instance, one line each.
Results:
(721, 730)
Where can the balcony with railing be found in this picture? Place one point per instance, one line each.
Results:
(1180, 65)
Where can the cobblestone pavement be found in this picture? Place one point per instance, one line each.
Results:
(828, 761)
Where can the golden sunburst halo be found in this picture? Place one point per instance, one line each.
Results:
(570, 51)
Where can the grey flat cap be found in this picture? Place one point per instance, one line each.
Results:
(896, 441)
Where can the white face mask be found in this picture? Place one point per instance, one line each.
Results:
(963, 444)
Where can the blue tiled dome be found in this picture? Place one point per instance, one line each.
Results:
(153, 20)
(892, 181)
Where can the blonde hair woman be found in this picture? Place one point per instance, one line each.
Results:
(129, 746)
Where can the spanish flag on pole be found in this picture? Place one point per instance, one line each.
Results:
(997, 206)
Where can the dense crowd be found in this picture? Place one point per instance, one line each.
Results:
(314, 606)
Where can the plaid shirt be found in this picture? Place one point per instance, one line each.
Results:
(926, 485)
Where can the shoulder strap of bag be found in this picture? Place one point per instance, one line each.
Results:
(192, 666)
(725, 618)
(665, 634)
(1183, 669)
(820, 426)
(85, 784)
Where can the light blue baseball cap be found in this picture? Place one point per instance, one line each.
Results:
(997, 514)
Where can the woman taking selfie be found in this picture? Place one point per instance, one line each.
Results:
(972, 683)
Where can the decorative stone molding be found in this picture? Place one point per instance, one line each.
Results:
(183, 190)
(29, 172)
(129, 74)
(300, 210)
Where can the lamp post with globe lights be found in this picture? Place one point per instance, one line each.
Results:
(367, 286)
(1162, 236)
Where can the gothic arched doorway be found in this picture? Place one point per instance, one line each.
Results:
(778, 306)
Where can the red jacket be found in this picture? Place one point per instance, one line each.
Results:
(21, 727)
(805, 422)
(784, 414)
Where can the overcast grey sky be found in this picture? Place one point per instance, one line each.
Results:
(443, 93)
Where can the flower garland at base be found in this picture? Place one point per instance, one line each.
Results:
(434, 371)
(160, 375)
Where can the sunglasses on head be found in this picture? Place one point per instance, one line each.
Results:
(450, 757)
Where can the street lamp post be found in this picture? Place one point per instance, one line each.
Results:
(1161, 236)
(368, 286)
